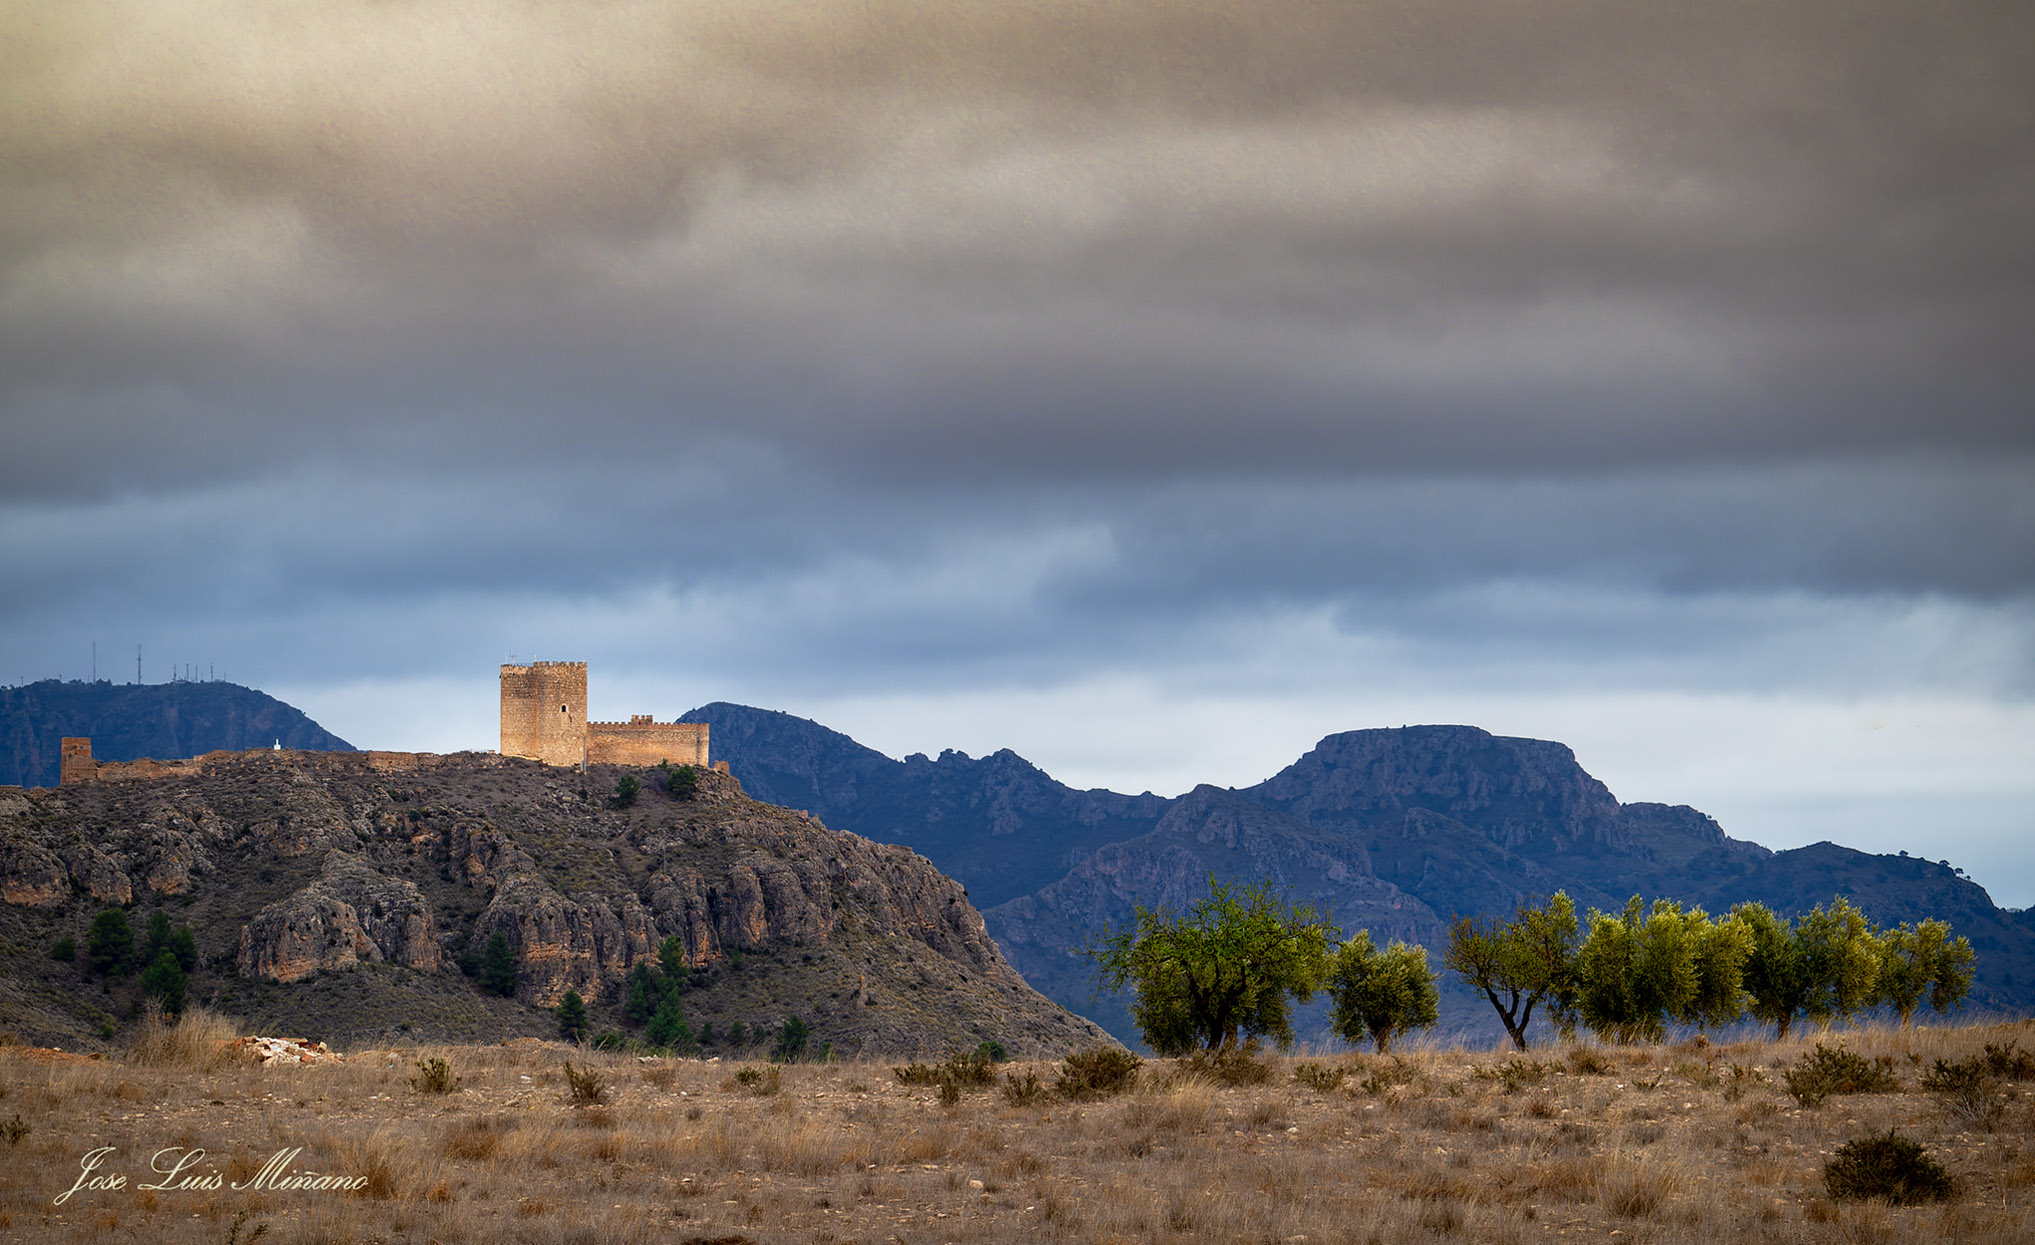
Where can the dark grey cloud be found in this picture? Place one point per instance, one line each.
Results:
(1180, 354)
(1040, 240)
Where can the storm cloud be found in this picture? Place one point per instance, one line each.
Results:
(968, 368)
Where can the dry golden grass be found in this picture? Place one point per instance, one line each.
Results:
(1686, 1143)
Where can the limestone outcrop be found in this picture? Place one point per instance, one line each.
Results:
(353, 895)
(351, 915)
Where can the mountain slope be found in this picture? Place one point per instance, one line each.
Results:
(1424, 823)
(338, 893)
(997, 824)
(165, 721)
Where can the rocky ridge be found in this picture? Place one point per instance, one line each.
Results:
(339, 893)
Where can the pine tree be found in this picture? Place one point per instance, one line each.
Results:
(164, 980)
(498, 966)
(572, 1016)
(110, 945)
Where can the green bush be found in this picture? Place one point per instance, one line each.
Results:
(64, 949)
(683, 783)
(792, 1037)
(434, 1076)
(961, 1070)
(2009, 1062)
(1968, 1089)
(1096, 1073)
(1324, 1079)
(585, 1087)
(1025, 1090)
(1834, 1070)
(761, 1082)
(1237, 1066)
(626, 788)
(1888, 1166)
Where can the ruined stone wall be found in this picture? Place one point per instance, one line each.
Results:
(641, 741)
(74, 761)
(544, 711)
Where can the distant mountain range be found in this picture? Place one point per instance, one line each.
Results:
(127, 721)
(1395, 831)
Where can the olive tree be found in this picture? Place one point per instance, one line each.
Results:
(1824, 966)
(1924, 959)
(1382, 993)
(1228, 968)
(1519, 964)
(1638, 971)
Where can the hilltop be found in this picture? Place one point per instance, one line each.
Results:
(336, 895)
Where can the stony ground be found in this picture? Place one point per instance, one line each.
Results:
(1694, 1142)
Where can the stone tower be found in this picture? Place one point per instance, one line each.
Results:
(544, 712)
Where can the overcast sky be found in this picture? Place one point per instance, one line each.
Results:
(1152, 387)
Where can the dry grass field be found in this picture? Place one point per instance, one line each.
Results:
(1692, 1142)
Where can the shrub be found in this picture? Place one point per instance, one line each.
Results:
(684, 781)
(1888, 1166)
(1586, 1061)
(626, 788)
(1968, 1090)
(1099, 1072)
(15, 1129)
(199, 1040)
(1324, 1079)
(992, 1052)
(790, 1044)
(761, 1082)
(1834, 1070)
(961, 1070)
(585, 1087)
(64, 949)
(1237, 1066)
(1513, 1074)
(1384, 1076)
(2009, 1062)
(434, 1076)
(1025, 1090)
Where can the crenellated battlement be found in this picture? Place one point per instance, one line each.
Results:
(544, 718)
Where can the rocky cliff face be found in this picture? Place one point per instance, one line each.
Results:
(327, 889)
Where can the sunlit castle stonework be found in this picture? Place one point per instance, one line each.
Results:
(544, 719)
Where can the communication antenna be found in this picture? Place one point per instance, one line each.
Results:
(137, 664)
(95, 661)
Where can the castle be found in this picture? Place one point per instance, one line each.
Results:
(544, 719)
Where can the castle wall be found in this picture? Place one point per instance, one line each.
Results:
(544, 712)
(643, 742)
